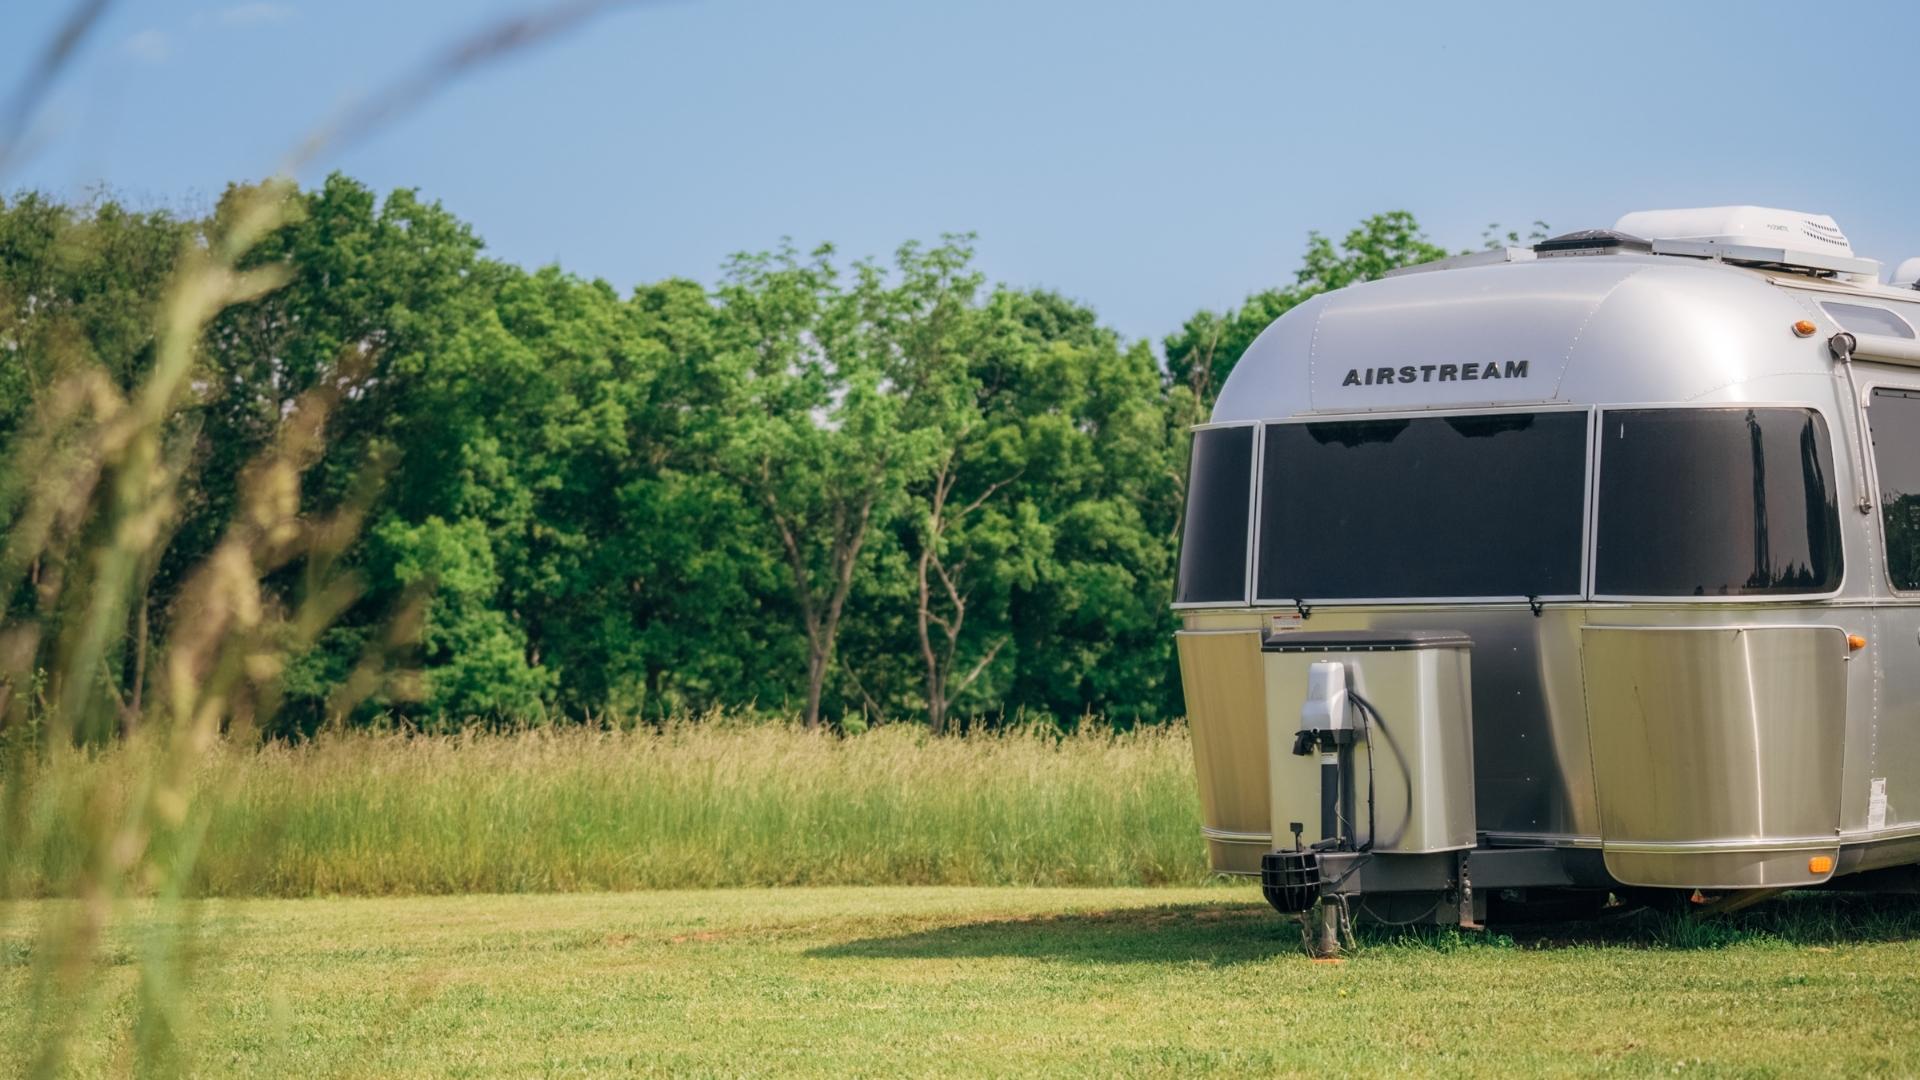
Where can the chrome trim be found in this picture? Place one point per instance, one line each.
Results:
(1390, 412)
(1518, 839)
(1574, 603)
(1590, 510)
(1717, 627)
(1253, 511)
(1411, 601)
(1228, 836)
(1703, 847)
(1871, 836)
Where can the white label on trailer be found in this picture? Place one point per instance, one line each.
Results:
(1877, 804)
(1288, 620)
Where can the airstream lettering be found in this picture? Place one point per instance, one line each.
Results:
(1637, 615)
(1515, 369)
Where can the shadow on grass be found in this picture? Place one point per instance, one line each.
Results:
(1218, 934)
(1236, 933)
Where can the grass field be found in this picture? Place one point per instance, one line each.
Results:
(384, 967)
(837, 981)
(693, 806)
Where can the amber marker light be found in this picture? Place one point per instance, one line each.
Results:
(1820, 864)
(1855, 642)
(1804, 328)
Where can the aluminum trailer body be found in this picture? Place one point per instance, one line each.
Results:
(1634, 516)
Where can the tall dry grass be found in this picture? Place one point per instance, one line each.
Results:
(693, 805)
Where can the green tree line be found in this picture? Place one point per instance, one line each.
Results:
(848, 489)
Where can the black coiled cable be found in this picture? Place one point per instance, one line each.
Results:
(1368, 717)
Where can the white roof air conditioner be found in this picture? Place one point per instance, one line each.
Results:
(1754, 234)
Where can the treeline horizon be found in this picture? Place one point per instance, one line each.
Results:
(849, 490)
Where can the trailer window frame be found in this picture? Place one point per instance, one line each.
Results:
(1587, 496)
(1599, 464)
(1867, 391)
(1253, 507)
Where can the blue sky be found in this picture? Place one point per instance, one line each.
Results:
(1149, 159)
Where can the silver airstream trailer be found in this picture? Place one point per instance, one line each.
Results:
(1553, 573)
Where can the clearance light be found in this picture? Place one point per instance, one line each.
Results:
(1855, 642)
(1804, 328)
(1820, 864)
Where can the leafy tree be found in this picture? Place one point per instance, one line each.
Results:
(1094, 631)
(964, 499)
(820, 434)
(961, 538)
(80, 290)
(1047, 568)
(390, 303)
(1032, 544)
(976, 538)
(476, 657)
(79, 284)
(631, 563)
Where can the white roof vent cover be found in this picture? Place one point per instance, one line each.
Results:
(1908, 274)
(1749, 234)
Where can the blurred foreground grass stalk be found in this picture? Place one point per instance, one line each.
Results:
(90, 495)
(719, 803)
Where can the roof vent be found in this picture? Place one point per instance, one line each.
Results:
(1750, 234)
(1591, 242)
(1907, 275)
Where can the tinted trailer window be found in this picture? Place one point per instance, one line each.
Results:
(1894, 420)
(1716, 502)
(1213, 540)
(1488, 505)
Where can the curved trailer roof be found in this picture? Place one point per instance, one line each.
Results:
(1574, 329)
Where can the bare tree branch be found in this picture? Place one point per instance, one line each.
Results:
(796, 560)
(992, 652)
(873, 706)
(984, 496)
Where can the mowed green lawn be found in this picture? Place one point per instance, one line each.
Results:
(885, 981)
